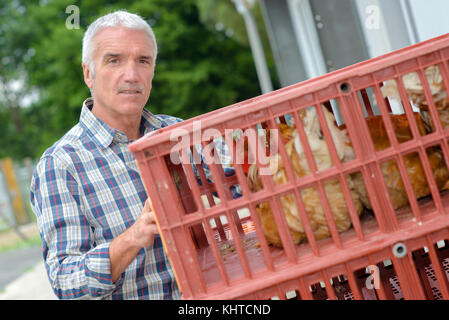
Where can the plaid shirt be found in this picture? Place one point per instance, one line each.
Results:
(85, 191)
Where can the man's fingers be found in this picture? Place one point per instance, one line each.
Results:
(148, 205)
(148, 217)
(152, 219)
(154, 229)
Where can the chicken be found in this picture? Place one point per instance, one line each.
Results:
(415, 93)
(412, 162)
(286, 132)
(310, 195)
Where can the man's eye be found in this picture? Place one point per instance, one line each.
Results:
(115, 60)
(144, 61)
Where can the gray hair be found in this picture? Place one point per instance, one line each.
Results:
(115, 19)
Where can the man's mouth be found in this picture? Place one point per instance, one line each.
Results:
(130, 91)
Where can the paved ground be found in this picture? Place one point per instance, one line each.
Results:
(32, 285)
(22, 271)
(14, 263)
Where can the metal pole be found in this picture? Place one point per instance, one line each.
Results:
(409, 21)
(307, 37)
(256, 46)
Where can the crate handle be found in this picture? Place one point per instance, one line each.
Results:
(345, 87)
(399, 250)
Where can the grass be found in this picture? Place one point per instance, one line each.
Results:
(20, 243)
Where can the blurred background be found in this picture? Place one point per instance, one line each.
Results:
(212, 53)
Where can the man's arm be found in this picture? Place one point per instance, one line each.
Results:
(77, 266)
(124, 248)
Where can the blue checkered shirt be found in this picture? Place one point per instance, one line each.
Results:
(86, 190)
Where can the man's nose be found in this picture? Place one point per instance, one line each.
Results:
(130, 73)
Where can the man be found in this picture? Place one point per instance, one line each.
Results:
(98, 231)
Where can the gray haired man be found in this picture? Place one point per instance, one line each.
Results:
(98, 231)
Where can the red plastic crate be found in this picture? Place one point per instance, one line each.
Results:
(407, 250)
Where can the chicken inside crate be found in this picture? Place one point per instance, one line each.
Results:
(297, 193)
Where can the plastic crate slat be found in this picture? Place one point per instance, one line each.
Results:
(216, 173)
(384, 111)
(191, 270)
(355, 292)
(416, 137)
(431, 180)
(327, 286)
(298, 197)
(407, 107)
(342, 181)
(290, 175)
(370, 172)
(355, 219)
(193, 182)
(285, 158)
(327, 137)
(376, 187)
(216, 254)
(283, 229)
(241, 178)
(384, 292)
(262, 242)
(324, 200)
(306, 223)
(432, 108)
(408, 187)
(220, 228)
(329, 216)
(408, 277)
(304, 291)
(440, 273)
(236, 236)
(304, 142)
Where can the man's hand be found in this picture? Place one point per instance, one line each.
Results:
(124, 248)
(143, 230)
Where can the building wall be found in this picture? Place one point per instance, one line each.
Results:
(431, 17)
(312, 37)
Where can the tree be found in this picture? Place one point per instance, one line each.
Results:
(198, 68)
(14, 53)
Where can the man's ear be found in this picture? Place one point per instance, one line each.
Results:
(88, 79)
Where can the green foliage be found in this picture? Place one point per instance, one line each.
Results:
(219, 14)
(198, 68)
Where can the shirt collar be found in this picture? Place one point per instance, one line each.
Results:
(104, 135)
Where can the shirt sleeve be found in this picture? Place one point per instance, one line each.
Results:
(76, 266)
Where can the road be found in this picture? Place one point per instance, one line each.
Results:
(31, 285)
(14, 263)
(22, 271)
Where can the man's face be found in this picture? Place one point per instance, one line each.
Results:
(124, 70)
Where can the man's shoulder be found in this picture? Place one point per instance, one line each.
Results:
(167, 120)
(70, 142)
